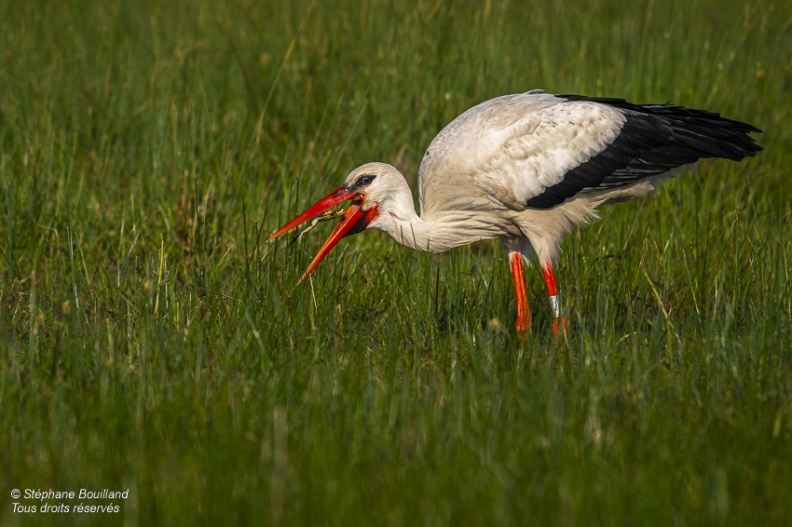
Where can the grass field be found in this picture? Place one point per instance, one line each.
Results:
(151, 340)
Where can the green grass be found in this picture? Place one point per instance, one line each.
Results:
(150, 339)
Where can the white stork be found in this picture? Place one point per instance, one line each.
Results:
(526, 168)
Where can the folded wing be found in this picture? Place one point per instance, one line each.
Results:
(537, 150)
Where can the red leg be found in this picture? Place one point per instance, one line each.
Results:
(559, 319)
(523, 322)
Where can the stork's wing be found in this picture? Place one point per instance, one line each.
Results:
(537, 150)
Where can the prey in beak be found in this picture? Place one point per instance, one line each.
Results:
(353, 220)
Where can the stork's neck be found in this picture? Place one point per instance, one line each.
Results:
(439, 231)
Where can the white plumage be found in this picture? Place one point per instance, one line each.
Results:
(526, 168)
(518, 145)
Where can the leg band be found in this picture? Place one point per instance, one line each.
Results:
(555, 305)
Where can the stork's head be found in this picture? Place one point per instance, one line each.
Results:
(372, 188)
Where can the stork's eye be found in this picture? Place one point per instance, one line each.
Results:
(365, 180)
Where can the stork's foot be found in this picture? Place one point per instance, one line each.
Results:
(523, 322)
(522, 326)
(560, 326)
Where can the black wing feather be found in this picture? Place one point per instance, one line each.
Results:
(655, 138)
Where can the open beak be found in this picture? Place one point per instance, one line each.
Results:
(353, 221)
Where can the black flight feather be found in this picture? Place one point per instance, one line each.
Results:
(655, 138)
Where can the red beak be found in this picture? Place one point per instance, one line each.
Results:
(350, 223)
(326, 203)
